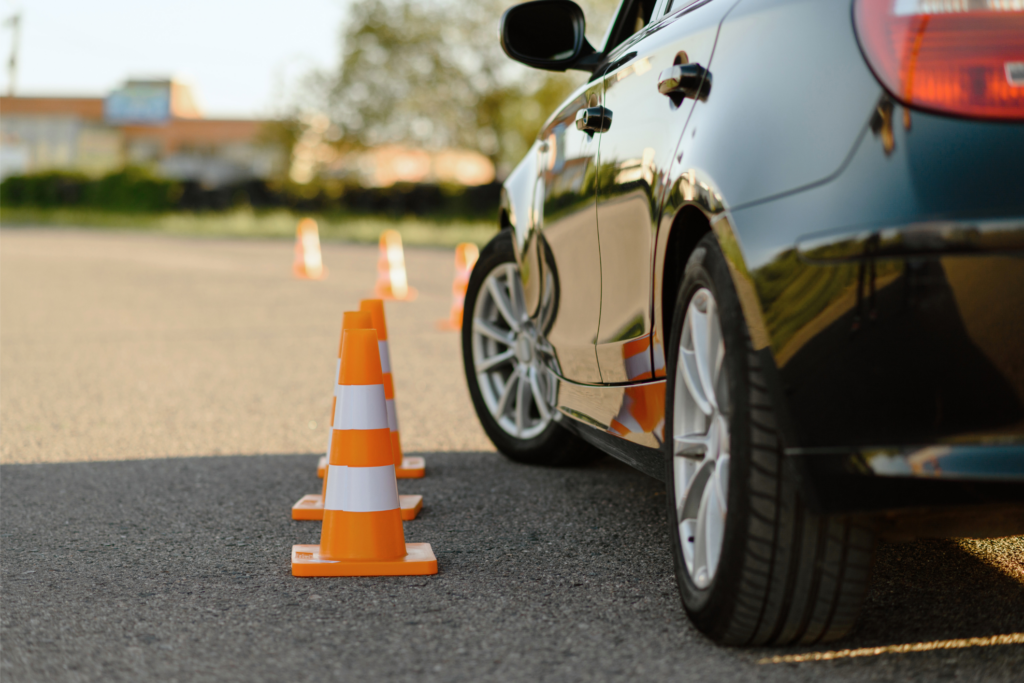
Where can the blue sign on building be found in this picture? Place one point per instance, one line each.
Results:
(139, 103)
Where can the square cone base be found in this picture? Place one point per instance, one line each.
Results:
(321, 466)
(419, 560)
(311, 508)
(412, 468)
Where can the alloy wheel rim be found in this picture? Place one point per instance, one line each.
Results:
(701, 447)
(510, 356)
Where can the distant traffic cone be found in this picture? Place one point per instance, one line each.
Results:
(311, 507)
(309, 264)
(466, 255)
(362, 528)
(392, 281)
(405, 468)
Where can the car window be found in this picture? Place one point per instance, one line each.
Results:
(633, 16)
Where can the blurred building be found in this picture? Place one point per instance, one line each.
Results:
(152, 123)
(387, 165)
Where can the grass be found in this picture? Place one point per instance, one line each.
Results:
(249, 223)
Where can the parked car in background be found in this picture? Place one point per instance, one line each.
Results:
(770, 253)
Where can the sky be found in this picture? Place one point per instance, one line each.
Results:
(239, 56)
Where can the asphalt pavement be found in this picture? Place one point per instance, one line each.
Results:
(162, 405)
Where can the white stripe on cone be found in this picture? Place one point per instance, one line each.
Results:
(392, 415)
(361, 489)
(360, 406)
(385, 356)
(638, 364)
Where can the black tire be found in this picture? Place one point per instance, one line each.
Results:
(786, 575)
(555, 445)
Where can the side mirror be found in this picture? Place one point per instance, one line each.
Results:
(546, 34)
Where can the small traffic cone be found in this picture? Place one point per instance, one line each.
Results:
(311, 507)
(466, 255)
(392, 281)
(362, 528)
(309, 264)
(642, 411)
(405, 468)
(643, 406)
(636, 357)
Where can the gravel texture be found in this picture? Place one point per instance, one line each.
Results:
(155, 401)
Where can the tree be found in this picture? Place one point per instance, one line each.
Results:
(431, 73)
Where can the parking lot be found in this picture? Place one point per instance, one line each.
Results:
(163, 402)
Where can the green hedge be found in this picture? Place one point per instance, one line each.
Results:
(131, 189)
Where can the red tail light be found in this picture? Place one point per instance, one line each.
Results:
(962, 57)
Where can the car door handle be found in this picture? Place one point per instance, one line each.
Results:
(689, 80)
(594, 119)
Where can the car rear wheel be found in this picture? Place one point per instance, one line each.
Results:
(506, 360)
(753, 564)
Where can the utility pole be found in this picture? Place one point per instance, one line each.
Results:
(14, 23)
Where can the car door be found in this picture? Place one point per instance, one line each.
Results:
(564, 288)
(634, 155)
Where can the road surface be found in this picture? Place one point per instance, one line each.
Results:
(162, 405)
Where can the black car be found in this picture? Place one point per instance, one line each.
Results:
(772, 253)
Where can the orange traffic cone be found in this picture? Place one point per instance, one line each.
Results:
(309, 264)
(642, 411)
(362, 528)
(311, 507)
(643, 406)
(405, 468)
(466, 255)
(392, 282)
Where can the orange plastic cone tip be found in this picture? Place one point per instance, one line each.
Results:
(375, 307)
(354, 320)
(360, 358)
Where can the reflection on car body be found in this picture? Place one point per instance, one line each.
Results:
(797, 297)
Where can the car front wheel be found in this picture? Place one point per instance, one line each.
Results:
(507, 360)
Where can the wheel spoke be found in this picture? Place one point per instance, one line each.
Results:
(700, 544)
(489, 330)
(716, 350)
(713, 527)
(495, 360)
(522, 403)
(688, 509)
(538, 396)
(516, 296)
(691, 444)
(721, 481)
(506, 394)
(702, 353)
(502, 303)
(691, 377)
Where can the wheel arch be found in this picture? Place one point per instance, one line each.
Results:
(686, 229)
(693, 208)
